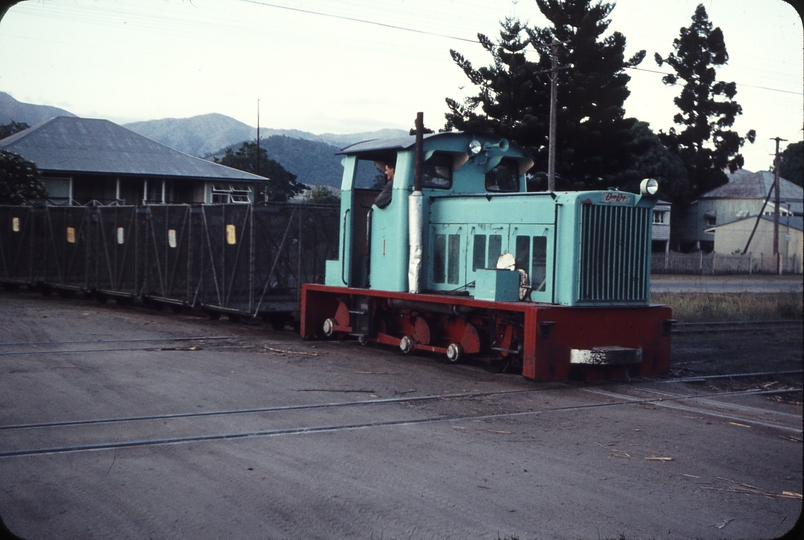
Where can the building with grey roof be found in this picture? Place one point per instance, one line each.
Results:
(742, 197)
(86, 161)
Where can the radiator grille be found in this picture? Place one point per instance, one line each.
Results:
(615, 254)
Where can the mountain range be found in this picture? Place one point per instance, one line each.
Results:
(312, 158)
(12, 110)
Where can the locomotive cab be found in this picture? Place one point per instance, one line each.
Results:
(374, 241)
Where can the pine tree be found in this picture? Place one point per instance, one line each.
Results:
(511, 101)
(592, 131)
(647, 157)
(705, 143)
(593, 136)
(792, 167)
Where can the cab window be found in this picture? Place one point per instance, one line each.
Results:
(503, 178)
(437, 172)
(368, 174)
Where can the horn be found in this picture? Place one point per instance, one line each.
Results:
(502, 145)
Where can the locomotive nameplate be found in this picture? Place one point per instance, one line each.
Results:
(616, 197)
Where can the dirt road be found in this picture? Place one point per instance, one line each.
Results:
(126, 423)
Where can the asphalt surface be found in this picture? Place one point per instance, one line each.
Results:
(127, 423)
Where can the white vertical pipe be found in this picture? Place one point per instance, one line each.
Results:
(415, 206)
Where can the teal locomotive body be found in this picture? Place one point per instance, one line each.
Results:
(464, 261)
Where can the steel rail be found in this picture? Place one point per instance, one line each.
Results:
(727, 405)
(732, 323)
(621, 401)
(732, 326)
(278, 408)
(434, 397)
(667, 403)
(87, 342)
(111, 350)
(699, 378)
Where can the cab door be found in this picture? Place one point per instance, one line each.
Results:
(533, 249)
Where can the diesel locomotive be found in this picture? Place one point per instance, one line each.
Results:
(464, 262)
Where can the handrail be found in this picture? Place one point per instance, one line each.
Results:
(343, 254)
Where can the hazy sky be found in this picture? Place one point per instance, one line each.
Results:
(343, 66)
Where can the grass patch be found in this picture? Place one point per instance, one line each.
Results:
(703, 307)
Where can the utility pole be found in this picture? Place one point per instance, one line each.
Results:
(258, 138)
(551, 142)
(551, 138)
(551, 159)
(777, 161)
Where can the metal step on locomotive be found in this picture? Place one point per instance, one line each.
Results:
(465, 263)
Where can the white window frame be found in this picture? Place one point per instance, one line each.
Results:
(230, 193)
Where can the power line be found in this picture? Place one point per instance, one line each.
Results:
(737, 83)
(354, 19)
(447, 36)
(105, 17)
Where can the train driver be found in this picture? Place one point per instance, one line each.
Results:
(384, 198)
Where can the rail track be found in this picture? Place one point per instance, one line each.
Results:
(639, 393)
(733, 326)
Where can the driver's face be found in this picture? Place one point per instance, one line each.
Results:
(389, 172)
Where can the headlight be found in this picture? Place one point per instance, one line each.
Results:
(475, 147)
(649, 186)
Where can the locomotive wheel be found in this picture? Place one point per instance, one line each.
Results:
(455, 353)
(406, 345)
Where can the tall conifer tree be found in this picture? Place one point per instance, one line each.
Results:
(593, 135)
(511, 101)
(704, 142)
(792, 167)
(592, 132)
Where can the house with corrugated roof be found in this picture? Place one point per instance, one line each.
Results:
(742, 197)
(92, 161)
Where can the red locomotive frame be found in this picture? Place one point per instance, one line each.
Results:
(552, 342)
